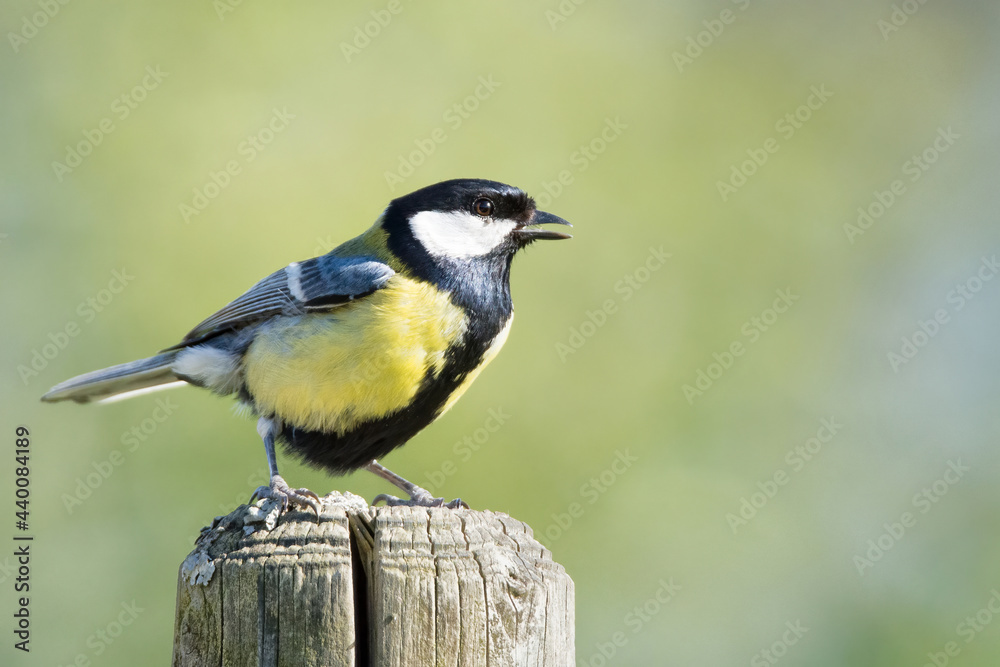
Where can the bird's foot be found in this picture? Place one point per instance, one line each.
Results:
(420, 498)
(280, 491)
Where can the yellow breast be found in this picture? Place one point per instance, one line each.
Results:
(361, 361)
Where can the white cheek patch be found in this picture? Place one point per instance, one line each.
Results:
(458, 234)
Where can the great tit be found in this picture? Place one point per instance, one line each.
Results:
(346, 356)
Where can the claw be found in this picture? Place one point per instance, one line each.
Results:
(418, 497)
(279, 490)
(419, 500)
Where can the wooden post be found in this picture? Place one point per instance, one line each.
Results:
(371, 586)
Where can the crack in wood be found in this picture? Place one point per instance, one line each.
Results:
(372, 586)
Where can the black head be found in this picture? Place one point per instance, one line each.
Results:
(465, 219)
(461, 235)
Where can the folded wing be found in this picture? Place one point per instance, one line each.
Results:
(317, 284)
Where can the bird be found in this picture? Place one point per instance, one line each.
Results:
(347, 356)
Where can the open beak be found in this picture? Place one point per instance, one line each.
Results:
(531, 232)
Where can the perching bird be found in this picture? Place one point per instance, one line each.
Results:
(346, 356)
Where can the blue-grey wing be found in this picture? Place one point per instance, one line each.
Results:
(321, 283)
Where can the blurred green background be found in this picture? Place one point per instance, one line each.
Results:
(655, 128)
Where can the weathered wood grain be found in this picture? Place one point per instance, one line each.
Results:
(387, 586)
(252, 596)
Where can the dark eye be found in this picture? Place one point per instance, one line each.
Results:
(483, 207)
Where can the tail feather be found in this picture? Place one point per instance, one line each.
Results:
(120, 379)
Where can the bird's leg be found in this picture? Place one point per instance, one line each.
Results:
(418, 497)
(279, 489)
